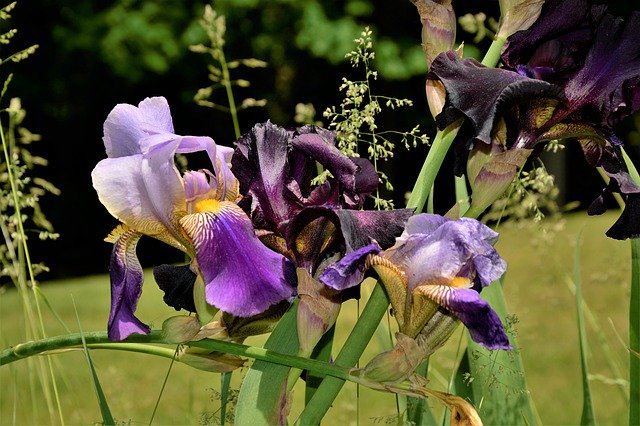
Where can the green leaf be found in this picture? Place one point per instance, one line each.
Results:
(348, 356)
(264, 387)
(322, 352)
(499, 383)
(634, 335)
(588, 417)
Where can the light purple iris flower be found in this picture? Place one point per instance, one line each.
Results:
(436, 263)
(140, 185)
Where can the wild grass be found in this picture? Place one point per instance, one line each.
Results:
(536, 290)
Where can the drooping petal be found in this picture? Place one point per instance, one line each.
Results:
(126, 285)
(242, 276)
(482, 104)
(609, 82)
(348, 271)
(177, 284)
(482, 321)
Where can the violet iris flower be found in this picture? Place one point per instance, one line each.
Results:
(140, 185)
(575, 73)
(275, 167)
(437, 266)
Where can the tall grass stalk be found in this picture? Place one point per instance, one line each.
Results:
(21, 261)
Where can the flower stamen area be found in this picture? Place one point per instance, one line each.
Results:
(208, 205)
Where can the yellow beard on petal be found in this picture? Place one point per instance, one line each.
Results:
(208, 205)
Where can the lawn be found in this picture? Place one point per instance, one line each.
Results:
(537, 291)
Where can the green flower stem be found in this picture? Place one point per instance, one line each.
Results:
(348, 357)
(140, 343)
(441, 144)
(492, 57)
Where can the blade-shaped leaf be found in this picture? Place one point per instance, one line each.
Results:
(499, 383)
(588, 416)
(263, 390)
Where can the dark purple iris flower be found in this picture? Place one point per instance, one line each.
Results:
(575, 73)
(275, 167)
(140, 185)
(436, 264)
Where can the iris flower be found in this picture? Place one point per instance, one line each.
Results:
(433, 276)
(196, 213)
(575, 73)
(275, 167)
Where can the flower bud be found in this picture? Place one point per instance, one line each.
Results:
(438, 27)
(397, 364)
(317, 311)
(216, 362)
(517, 15)
(495, 175)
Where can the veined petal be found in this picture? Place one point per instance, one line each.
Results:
(242, 276)
(122, 190)
(127, 125)
(481, 320)
(348, 271)
(126, 285)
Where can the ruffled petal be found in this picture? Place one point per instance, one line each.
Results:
(177, 283)
(481, 320)
(348, 271)
(241, 275)
(127, 126)
(462, 247)
(121, 188)
(126, 285)
(483, 104)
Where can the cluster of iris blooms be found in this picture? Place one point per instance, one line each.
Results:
(259, 234)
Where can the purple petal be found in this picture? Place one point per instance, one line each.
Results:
(241, 275)
(481, 320)
(260, 163)
(126, 286)
(348, 271)
(462, 247)
(608, 81)
(357, 180)
(275, 167)
(555, 46)
(482, 104)
(126, 126)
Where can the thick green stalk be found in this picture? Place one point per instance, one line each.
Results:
(441, 144)
(492, 57)
(140, 343)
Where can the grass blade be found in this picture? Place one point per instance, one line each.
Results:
(588, 416)
(107, 418)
